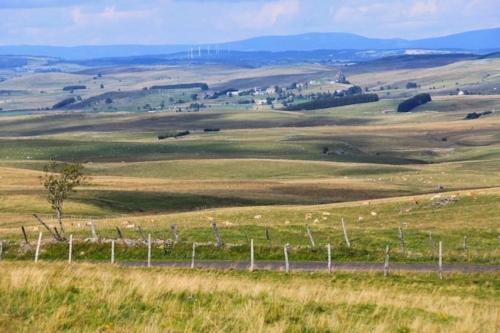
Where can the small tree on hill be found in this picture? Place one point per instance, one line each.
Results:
(60, 180)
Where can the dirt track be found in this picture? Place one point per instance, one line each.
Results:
(322, 266)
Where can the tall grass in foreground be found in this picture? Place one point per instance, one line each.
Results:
(83, 297)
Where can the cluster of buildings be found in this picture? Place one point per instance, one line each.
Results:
(268, 95)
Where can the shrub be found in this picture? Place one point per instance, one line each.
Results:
(173, 135)
(202, 86)
(224, 92)
(74, 87)
(246, 101)
(354, 90)
(197, 106)
(476, 115)
(413, 102)
(211, 130)
(411, 85)
(64, 102)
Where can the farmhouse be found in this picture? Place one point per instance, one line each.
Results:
(233, 93)
(341, 78)
(271, 90)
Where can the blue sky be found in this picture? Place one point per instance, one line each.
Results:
(78, 22)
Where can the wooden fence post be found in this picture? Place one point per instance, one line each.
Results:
(431, 243)
(386, 261)
(215, 231)
(70, 250)
(37, 251)
(309, 234)
(193, 255)
(112, 251)
(149, 250)
(173, 227)
(345, 235)
(141, 232)
(267, 234)
(287, 264)
(54, 232)
(329, 250)
(252, 256)
(465, 243)
(246, 238)
(119, 232)
(93, 231)
(401, 240)
(1, 249)
(25, 235)
(440, 262)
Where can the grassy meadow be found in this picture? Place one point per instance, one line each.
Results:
(267, 175)
(371, 226)
(475, 75)
(434, 169)
(99, 298)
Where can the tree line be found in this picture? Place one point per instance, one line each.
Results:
(331, 102)
(411, 103)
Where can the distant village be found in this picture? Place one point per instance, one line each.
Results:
(269, 96)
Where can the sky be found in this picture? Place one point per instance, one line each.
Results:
(101, 22)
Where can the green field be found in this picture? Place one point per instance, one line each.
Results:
(136, 178)
(267, 175)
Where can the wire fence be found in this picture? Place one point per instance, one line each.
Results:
(142, 251)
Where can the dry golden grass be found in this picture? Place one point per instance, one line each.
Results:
(55, 297)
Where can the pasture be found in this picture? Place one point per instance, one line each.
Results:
(104, 298)
(270, 164)
(266, 175)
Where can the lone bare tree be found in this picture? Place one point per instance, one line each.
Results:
(60, 180)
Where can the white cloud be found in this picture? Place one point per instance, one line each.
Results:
(268, 14)
(425, 7)
(63, 22)
(107, 15)
(370, 12)
(413, 18)
(274, 11)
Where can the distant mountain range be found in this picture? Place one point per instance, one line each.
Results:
(470, 41)
(479, 41)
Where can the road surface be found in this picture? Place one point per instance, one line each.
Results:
(322, 266)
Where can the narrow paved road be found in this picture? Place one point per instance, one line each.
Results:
(322, 266)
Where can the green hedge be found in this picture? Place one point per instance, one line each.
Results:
(64, 102)
(202, 86)
(173, 135)
(332, 102)
(75, 87)
(413, 102)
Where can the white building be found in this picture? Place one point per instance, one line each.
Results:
(233, 93)
(271, 90)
